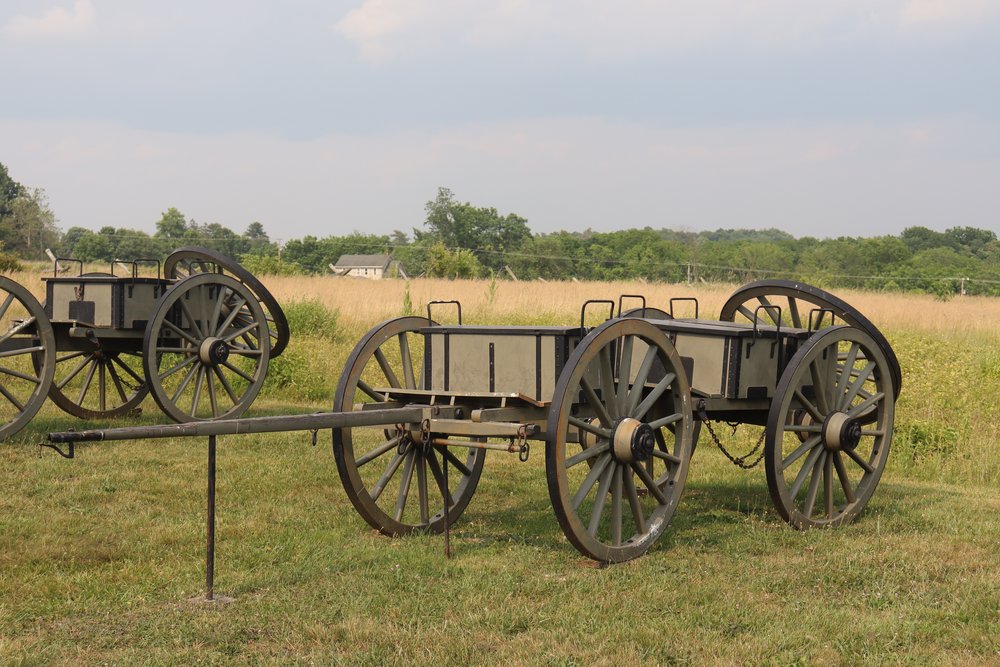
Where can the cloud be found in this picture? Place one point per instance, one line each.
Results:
(56, 22)
(967, 12)
(384, 30)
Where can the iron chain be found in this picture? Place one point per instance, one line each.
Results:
(740, 461)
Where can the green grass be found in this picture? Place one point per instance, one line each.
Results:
(100, 556)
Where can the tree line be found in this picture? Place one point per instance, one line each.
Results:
(462, 240)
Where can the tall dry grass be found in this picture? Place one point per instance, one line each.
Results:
(362, 300)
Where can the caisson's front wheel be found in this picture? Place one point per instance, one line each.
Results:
(398, 483)
(829, 428)
(619, 440)
(206, 349)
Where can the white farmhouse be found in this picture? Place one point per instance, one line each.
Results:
(375, 267)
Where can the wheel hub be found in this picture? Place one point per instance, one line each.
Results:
(841, 432)
(213, 351)
(632, 440)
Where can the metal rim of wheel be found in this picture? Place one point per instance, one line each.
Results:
(816, 446)
(27, 357)
(621, 428)
(206, 361)
(396, 482)
(192, 260)
(647, 313)
(787, 294)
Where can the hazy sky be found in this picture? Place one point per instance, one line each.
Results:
(820, 117)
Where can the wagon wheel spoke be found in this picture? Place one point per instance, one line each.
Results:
(226, 385)
(13, 399)
(588, 483)
(391, 443)
(587, 454)
(602, 495)
(407, 363)
(624, 369)
(595, 402)
(404, 483)
(608, 385)
(845, 481)
(793, 312)
(9, 299)
(641, 377)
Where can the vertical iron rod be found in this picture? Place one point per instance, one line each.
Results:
(447, 522)
(210, 542)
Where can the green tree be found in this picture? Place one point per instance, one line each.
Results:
(446, 263)
(30, 225)
(482, 230)
(9, 191)
(172, 225)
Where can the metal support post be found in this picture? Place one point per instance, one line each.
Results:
(210, 542)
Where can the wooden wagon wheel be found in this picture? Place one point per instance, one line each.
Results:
(27, 357)
(618, 420)
(816, 446)
(394, 481)
(798, 302)
(205, 351)
(193, 260)
(98, 383)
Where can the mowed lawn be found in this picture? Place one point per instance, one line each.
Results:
(102, 557)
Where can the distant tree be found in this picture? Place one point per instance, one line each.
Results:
(446, 263)
(172, 225)
(9, 191)
(255, 233)
(482, 230)
(972, 240)
(30, 225)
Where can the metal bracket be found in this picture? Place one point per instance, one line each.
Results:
(632, 296)
(68, 454)
(819, 320)
(432, 303)
(583, 312)
(684, 298)
(756, 322)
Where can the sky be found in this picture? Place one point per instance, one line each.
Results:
(819, 117)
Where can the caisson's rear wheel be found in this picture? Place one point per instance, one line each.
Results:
(798, 302)
(394, 479)
(619, 440)
(190, 261)
(829, 428)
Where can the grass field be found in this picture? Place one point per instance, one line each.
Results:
(100, 556)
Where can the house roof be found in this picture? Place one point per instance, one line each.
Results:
(363, 261)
